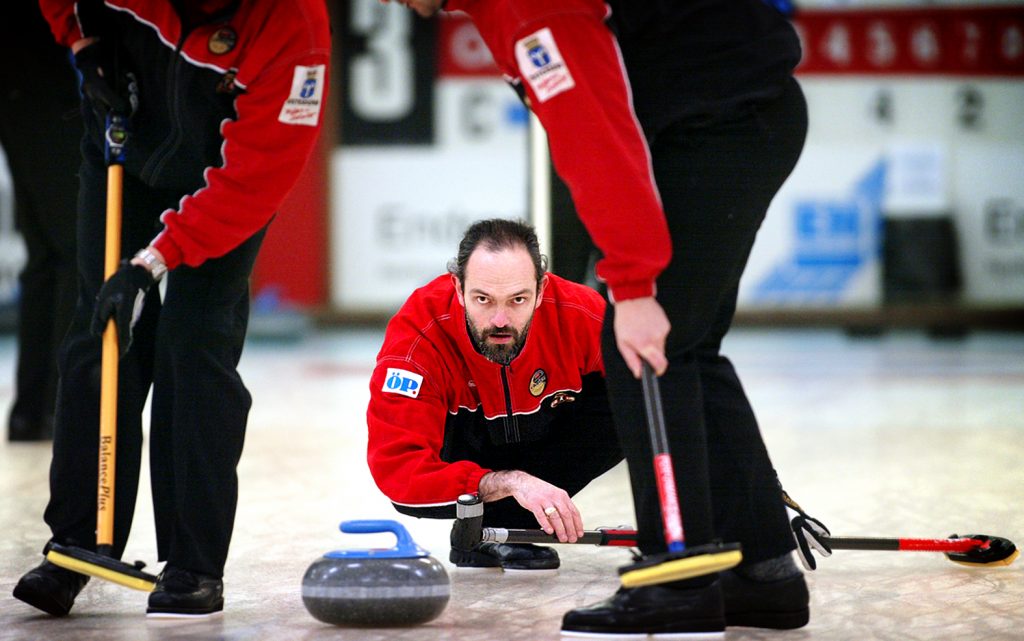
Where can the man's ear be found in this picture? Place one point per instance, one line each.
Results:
(458, 290)
(540, 290)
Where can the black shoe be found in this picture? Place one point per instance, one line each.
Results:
(780, 605)
(50, 588)
(180, 593)
(655, 610)
(510, 556)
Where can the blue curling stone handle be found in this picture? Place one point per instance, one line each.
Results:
(405, 547)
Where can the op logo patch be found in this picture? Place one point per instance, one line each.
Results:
(538, 382)
(542, 66)
(400, 381)
(222, 41)
(305, 98)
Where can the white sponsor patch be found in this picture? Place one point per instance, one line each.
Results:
(303, 104)
(542, 66)
(400, 381)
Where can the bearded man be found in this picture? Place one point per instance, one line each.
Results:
(490, 382)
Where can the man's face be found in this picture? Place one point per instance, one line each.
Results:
(500, 295)
(425, 8)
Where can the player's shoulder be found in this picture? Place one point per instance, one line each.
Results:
(431, 300)
(422, 322)
(296, 8)
(304, 24)
(568, 295)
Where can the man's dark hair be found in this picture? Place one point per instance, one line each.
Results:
(496, 234)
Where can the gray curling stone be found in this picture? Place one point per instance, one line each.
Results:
(383, 587)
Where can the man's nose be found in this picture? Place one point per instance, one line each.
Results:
(500, 318)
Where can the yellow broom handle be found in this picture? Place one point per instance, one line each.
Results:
(108, 381)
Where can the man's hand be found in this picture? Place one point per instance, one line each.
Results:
(107, 93)
(808, 532)
(122, 297)
(641, 328)
(552, 507)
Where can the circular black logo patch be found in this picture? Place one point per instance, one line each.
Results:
(538, 382)
(222, 41)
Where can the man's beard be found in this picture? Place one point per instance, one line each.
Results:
(499, 353)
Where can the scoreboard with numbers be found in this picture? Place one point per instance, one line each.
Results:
(966, 41)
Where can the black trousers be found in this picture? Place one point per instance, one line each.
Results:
(716, 182)
(186, 347)
(39, 132)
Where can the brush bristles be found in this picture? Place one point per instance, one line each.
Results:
(680, 569)
(1005, 561)
(100, 572)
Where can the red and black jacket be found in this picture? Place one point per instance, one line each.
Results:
(432, 391)
(229, 106)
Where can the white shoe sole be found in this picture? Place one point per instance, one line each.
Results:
(639, 636)
(516, 572)
(178, 616)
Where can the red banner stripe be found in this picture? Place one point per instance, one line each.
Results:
(975, 41)
(978, 41)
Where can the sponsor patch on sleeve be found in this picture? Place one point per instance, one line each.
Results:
(400, 381)
(305, 98)
(541, 65)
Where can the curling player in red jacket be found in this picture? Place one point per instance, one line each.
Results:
(490, 382)
(225, 101)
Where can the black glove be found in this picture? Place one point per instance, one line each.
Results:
(122, 297)
(99, 81)
(808, 531)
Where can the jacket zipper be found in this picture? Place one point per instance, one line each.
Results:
(170, 145)
(511, 425)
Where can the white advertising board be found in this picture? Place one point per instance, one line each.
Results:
(818, 246)
(405, 208)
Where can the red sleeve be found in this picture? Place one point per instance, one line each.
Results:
(63, 22)
(596, 144)
(262, 158)
(405, 439)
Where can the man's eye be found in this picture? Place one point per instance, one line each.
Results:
(481, 300)
(519, 300)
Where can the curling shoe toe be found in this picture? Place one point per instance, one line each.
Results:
(50, 588)
(658, 611)
(183, 594)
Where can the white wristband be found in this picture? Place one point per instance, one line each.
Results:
(156, 267)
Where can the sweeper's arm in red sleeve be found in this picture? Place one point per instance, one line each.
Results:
(597, 146)
(599, 149)
(63, 20)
